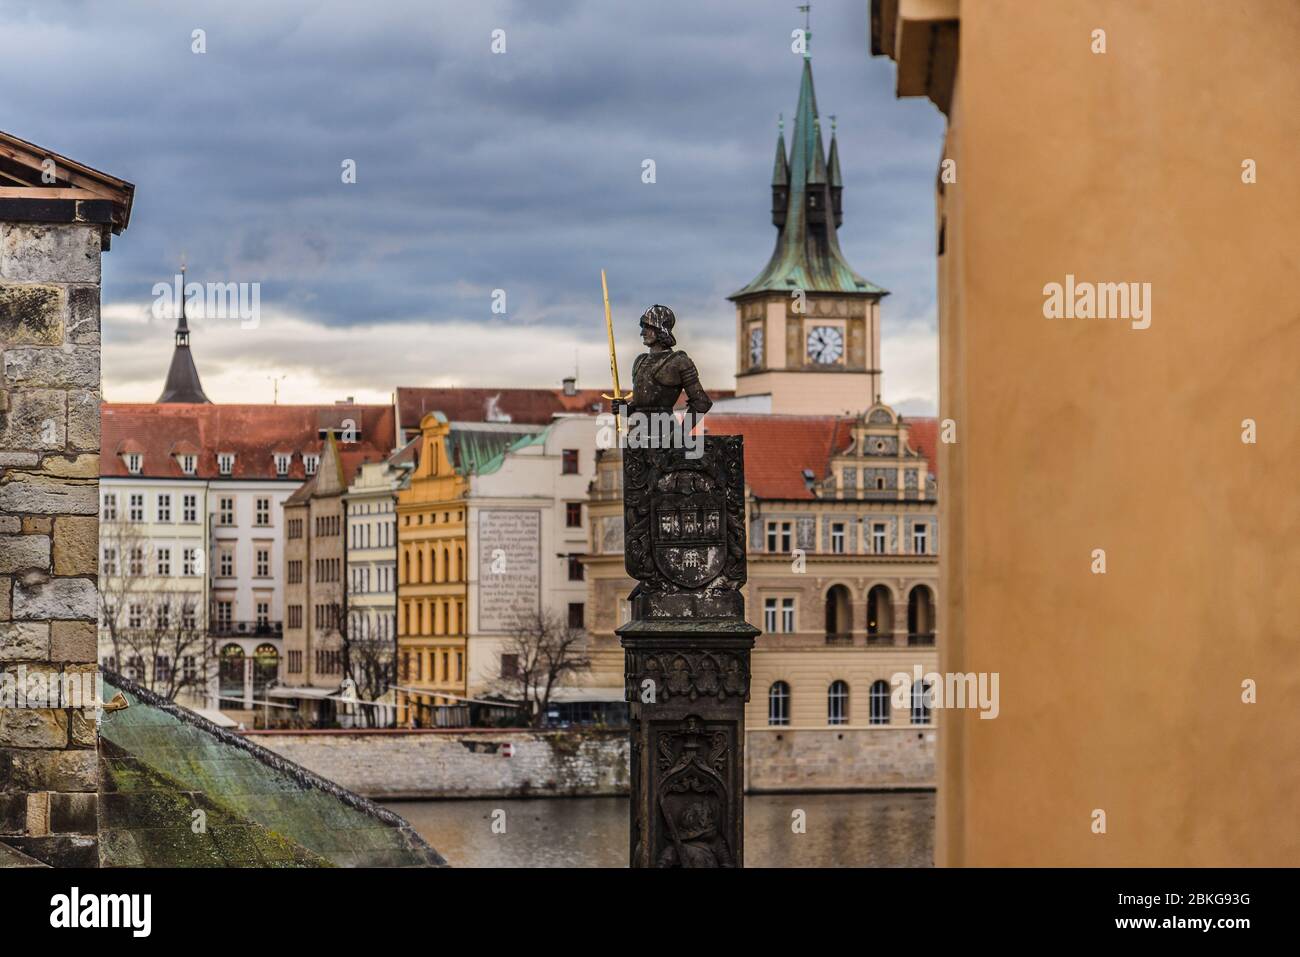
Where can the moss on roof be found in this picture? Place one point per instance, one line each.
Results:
(160, 764)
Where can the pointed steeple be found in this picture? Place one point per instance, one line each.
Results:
(807, 254)
(780, 177)
(836, 183)
(182, 383)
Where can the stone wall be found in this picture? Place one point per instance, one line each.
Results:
(839, 759)
(435, 763)
(49, 497)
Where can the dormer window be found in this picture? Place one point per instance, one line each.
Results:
(189, 463)
(310, 463)
(134, 462)
(282, 461)
(226, 462)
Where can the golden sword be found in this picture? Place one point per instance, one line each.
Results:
(618, 395)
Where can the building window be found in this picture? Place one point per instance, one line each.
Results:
(164, 507)
(778, 615)
(282, 461)
(310, 463)
(263, 516)
(189, 562)
(778, 703)
(878, 538)
(263, 569)
(164, 616)
(189, 618)
(189, 464)
(921, 702)
(135, 568)
(110, 561)
(263, 614)
(295, 660)
(136, 513)
(509, 666)
(226, 563)
(226, 511)
(837, 538)
(573, 515)
(134, 462)
(575, 568)
(879, 702)
(109, 510)
(576, 615)
(190, 509)
(226, 462)
(164, 562)
(570, 458)
(837, 703)
(295, 572)
(135, 616)
(919, 531)
(225, 614)
(295, 618)
(778, 536)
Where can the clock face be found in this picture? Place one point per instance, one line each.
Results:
(756, 345)
(825, 344)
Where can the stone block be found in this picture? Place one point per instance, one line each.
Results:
(83, 318)
(36, 253)
(37, 525)
(22, 552)
(25, 641)
(76, 545)
(6, 598)
(13, 813)
(49, 770)
(84, 466)
(85, 731)
(63, 598)
(32, 315)
(83, 420)
(18, 460)
(33, 728)
(58, 367)
(60, 850)
(37, 419)
(74, 813)
(10, 524)
(45, 495)
(73, 641)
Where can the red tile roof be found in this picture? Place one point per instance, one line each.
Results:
(254, 433)
(525, 406)
(779, 447)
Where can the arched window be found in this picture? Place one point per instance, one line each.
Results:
(837, 703)
(266, 666)
(419, 564)
(880, 616)
(880, 702)
(920, 616)
(407, 557)
(921, 702)
(230, 670)
(839, 616)
(778, 703)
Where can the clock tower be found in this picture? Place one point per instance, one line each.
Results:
(808, 327)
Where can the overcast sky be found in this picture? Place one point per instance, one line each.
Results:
(475, 171)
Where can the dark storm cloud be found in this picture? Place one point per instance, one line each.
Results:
(476, 171)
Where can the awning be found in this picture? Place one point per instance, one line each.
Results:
(314, 693)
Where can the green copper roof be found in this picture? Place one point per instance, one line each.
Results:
(480, 450)
(807, 254)
(160, 764)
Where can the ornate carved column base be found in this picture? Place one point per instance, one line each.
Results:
(687, 684)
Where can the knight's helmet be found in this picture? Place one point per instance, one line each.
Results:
(661, 319)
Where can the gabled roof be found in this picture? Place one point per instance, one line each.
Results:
(779, 447)
(254, 433)
(78, 194)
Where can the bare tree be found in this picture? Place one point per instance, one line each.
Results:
(545, 649)
(370, 660)
(155, 632)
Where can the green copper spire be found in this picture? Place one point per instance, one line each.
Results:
(807, 254)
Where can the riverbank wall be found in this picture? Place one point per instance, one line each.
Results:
(481, 762)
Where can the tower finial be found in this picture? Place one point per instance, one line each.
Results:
(806, 10)
(780, 122)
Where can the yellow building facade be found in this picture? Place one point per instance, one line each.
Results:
(431, 581)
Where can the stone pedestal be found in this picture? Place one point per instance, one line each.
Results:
(687, 694)
(687, 651)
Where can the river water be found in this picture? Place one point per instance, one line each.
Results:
(840, 830)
